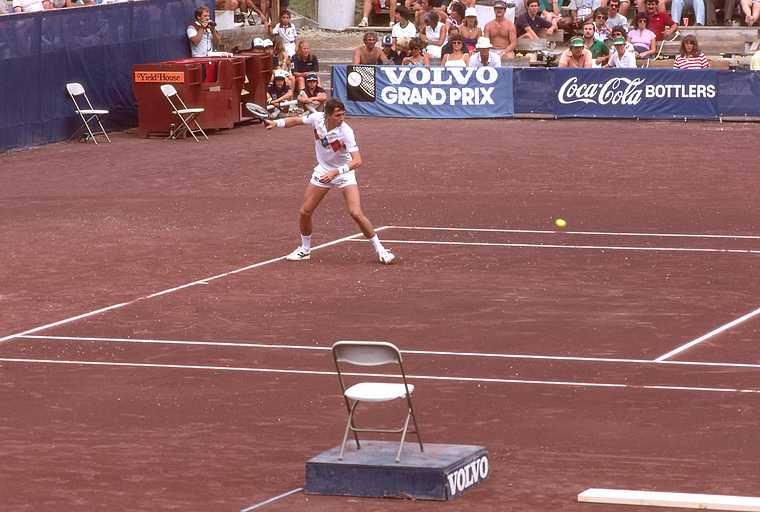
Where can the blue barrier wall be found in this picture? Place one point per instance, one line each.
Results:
(96, 46)
(611, 93)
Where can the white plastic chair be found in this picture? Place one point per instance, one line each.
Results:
(374, 353)
(88, 114)
(186, 115)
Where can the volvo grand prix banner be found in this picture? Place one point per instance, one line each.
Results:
(422, 92)
(651, 93)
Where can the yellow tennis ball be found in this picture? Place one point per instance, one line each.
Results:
(560, 223)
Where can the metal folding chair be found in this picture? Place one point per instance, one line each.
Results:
(374, 353)
(88, 114)
(186, 115)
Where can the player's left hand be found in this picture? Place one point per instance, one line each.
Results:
(329, 176)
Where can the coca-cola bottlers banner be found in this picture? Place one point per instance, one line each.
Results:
(646, 93)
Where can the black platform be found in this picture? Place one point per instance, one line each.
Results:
(442, 472)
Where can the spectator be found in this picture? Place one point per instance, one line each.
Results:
(389, 54)
(599, 51)
(641, 5)
(577, 56)
(287, 31)
(447, 48)
(580, 11)
(403, 30)
(278, 92)
(435, 35)
(303, 62)
(531, 25)
(484, 56)
(501, 32)
(751, 10)
(550, 9)
(31, 5)
(312, 97)
(618, 32)
(456, 14)
(368, 53)
(280, 58)
(376, 4)
(690, 57)
(615, 18)
(425, 7)
(621, 57)
(601, 30)
(470, 30)
(660, 22)
(642, 39)
(416, 56)
(202, 33)
(698, 6)
(458, 58)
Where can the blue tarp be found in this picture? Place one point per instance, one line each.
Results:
(96, 46)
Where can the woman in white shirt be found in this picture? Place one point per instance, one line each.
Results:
(458, 58)
(435, 35)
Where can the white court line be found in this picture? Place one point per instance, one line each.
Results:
(273, 499)
(381, 375)
(568, 246)
(415, 352)
(540, 231)
(709, 335)
(203, 281)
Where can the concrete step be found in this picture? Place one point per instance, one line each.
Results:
(333, 54)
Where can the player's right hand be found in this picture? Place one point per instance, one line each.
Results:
(269, 124)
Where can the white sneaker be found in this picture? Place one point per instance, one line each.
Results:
(299, 255)
(364, 22)
(386, 257)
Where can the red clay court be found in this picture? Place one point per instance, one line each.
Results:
(157, 352)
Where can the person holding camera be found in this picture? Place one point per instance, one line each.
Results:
(202, 33)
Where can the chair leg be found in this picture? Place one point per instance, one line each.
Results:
(187, 126)
(349, 424)
(200, 129)
(86, 122)
(103, 130)
(403, 435)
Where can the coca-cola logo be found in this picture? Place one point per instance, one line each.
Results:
(615, 91)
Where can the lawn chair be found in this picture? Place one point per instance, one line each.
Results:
(88, 115)
(186, 115)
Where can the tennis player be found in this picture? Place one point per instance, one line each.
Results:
(338, 158)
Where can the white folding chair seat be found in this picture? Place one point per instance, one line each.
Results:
(88, 114)
(374, 353)
(186, 114)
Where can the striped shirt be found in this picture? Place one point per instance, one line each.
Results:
(699, 62)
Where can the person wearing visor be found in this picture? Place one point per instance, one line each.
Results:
(577, 56)
(621, 57)
(312, 97)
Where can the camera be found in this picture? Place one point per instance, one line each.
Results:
(211, 24)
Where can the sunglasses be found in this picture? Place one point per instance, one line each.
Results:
(456, 42)
(601, 17)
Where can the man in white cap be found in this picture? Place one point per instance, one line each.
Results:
(501, 31)
(484, 56)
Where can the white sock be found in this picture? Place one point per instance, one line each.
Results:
(306, 242)
(376, 244)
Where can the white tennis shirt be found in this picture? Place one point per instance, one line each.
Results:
(332, 147)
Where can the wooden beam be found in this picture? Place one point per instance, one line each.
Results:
(671, 499)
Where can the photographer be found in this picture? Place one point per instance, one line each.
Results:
(202, 33)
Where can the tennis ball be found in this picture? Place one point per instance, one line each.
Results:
(560, 223)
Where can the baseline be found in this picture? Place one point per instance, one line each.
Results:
(415, 352)
(381, 375)
(202, 281)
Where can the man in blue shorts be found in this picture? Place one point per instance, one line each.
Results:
(338, 158)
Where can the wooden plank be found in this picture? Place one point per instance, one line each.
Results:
(747, 34)
(671, 499)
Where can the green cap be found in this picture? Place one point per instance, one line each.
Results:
(576, 41)
(618, 40)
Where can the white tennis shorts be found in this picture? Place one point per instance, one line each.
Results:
(340, 181)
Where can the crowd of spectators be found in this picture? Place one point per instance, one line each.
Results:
(426, 32)
(17, 6)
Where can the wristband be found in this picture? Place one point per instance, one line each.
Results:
(343, 169)
(280, 123)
